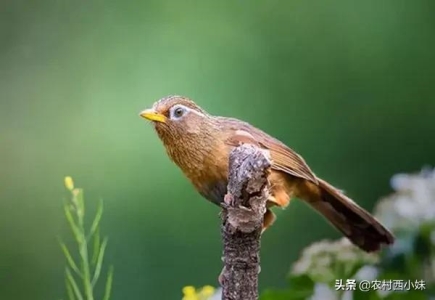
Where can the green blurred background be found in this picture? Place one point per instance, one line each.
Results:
(348, 84)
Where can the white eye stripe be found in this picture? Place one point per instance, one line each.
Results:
(196, 112)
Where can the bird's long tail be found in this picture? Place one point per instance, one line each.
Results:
(353, 221)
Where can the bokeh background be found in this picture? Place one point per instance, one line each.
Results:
(348, 84)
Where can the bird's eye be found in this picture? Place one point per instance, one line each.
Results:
(178, 112)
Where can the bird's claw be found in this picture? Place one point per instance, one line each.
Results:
(221, 277)
(228, 199)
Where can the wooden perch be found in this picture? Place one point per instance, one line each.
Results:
(242, 220)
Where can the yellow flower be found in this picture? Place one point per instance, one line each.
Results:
(189, 290)
(69, 183)
(207, 291)
(189, 293)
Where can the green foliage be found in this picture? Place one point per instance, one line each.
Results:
(404, 270)
(88, 270)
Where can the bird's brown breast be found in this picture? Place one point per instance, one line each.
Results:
(212, 179)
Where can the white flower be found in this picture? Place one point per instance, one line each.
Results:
(321, 260)
(412, 204)
(367, 273)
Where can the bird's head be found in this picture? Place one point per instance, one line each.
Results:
(178, 119)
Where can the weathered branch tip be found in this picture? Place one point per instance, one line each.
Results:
(242, 220)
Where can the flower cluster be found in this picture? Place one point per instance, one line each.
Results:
(204, 293)
(325, 261)
(412, 204)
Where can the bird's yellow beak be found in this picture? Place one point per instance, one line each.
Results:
(152, 115)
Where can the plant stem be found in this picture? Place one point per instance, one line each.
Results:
(83, 248)
(86, 272)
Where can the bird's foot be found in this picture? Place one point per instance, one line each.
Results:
(228, 199)
(221, 277)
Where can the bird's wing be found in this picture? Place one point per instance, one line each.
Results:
(283, 158)
(287, 160)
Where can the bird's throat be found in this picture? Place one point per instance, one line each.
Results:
(190, 151)
(202, 154)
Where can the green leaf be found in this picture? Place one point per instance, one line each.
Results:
(365, 295)
(108, 288)
(400, 263)
(96, 247)
(281, 295)
(74, 228)
(302, 283)
(427, 228)
(422, 243)
(97, 219)
(69, 290)
(99, 262)
(73, 284)
(70, 260)
(301, 288)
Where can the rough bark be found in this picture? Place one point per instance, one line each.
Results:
(242, 219)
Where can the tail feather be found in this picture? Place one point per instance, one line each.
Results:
(348, 217)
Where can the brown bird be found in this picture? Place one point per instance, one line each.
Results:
(200, 144)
